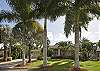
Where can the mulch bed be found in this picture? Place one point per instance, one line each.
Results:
(75, 69)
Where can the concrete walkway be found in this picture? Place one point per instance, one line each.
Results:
(11, 64)
(14, 69)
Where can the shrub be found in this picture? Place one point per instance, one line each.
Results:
(50, 52)
(40, 58)
(62, 57)
(57, 57)
(74, 69)
(70, 57)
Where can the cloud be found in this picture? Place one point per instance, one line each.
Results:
(57, 37)
(50, 36)
(93, 32)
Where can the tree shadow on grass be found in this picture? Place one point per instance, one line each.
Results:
(57, 66)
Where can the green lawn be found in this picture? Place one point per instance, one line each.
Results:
(91, 65)
(54, 65)
(65, 64)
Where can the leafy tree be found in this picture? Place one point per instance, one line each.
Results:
(29, 36)
(99, 43)
(22, 13)
(5, 37)
(86, 48)
(64, 44)
(16, 51)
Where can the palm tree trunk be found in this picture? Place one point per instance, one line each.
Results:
(77, 65)
(9, 54)
(5, 53)
(23, 57)
(10, 49)
(29, 54)
(45, 43)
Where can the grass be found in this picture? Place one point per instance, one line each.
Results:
(91, 65)
(53, 65)
(65, 64)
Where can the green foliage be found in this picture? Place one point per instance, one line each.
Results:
(87, 47)
(28, 35)
(16, 52)
(80, 10)
(65, 44)
(57, 57)
(5, 34)
(50, 52)
(40, 57)
(63, 57)
(86, 44)
(99, 43)
(8, 16)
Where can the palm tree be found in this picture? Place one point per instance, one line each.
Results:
(22, 13)
(77, 15)
(27, 37)
(5, 32)
(48, 9)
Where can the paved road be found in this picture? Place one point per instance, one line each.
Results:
(10, 65)
(14, 70)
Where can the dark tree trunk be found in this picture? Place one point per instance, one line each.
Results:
(23, 57)
(9, 52)
(45, 44)
(20, 54)
(5, 53)
(29, 54)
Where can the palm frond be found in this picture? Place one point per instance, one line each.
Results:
(37, 26)
(22, 7)
(68, 26)
(8, 16)
(69, 22)
(95, 9)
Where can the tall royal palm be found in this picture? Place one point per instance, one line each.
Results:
(49, 10)
(77, 15)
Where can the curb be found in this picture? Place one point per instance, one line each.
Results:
(2, 68)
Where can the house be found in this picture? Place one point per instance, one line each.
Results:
(62, 51)
(1, 49)
(56, 50)
(98, 52)
(1, 46)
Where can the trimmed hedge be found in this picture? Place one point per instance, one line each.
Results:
(39, 58)
(62, 57)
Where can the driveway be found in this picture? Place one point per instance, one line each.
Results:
(10, 65)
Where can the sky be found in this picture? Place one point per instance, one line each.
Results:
(56, 29)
